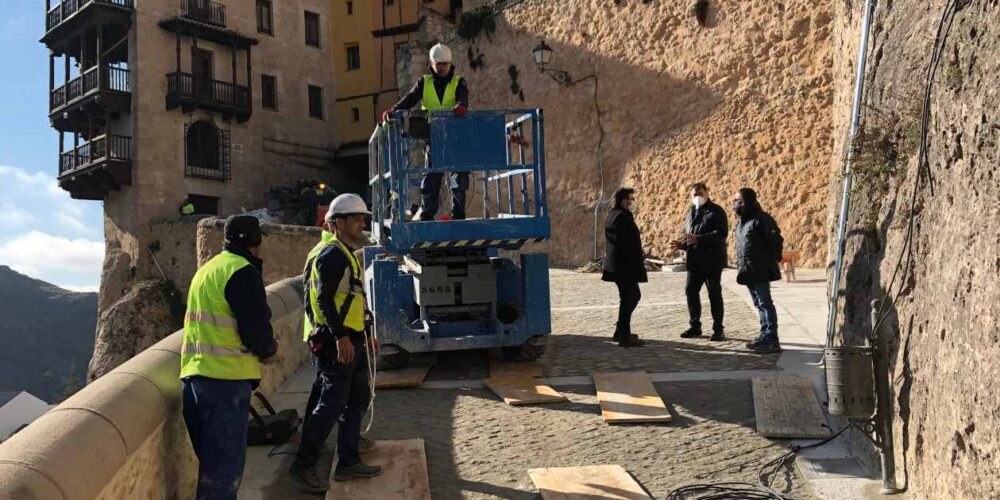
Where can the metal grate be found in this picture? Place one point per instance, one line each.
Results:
(194, 153)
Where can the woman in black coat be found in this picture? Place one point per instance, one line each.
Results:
(624, 263)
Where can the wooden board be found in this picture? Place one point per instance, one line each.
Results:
(404, 474)
(629, 397)
(786, 407)
(523, 391)
(514, 368)
(411, 376)
(589, 482)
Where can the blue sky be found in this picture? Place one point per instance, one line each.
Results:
(43, 232)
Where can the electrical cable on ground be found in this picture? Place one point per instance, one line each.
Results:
(735, 490)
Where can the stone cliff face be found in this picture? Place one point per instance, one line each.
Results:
(947, 295)
(743, 101)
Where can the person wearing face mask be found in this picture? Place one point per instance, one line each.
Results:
(624, 263)
(704, 240)
(758, 254)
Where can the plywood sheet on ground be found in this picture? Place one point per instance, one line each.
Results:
(523, 391)
(629, 397)
(786, 407)
(514, 368)
(589, 482)
(404, 474)
(411, 376)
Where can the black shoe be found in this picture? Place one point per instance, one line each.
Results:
(717, 336)
(691, 333)
(357, 471)
(633, 341)
(766, 347)
(307, 480)
(755, 342)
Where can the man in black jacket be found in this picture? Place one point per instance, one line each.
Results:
(758, 254)
(704, 240)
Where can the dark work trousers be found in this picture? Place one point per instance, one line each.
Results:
(341, 396)
(216, 413)
(712, 279)
(430, 192)
(629, 295)
(761, 295)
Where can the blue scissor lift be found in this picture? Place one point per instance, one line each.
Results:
(442, 285)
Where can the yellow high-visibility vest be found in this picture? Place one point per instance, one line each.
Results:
(430, 101)
(211, 345)
(349, 298)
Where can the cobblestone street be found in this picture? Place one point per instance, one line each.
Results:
(479, 447)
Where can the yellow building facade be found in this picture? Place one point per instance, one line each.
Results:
(367, 36)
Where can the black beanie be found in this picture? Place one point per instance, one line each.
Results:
(243, 230)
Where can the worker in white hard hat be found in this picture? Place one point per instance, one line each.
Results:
(439, 90)
(335, 307)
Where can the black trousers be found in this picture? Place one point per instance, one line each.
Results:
(712, 279)
(430, 194)
(629, 295)
(340, 394)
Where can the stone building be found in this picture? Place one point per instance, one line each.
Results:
(156, 101)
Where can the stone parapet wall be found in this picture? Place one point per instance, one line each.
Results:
(123, 436)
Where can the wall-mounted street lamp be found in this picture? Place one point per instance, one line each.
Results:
(543, 56)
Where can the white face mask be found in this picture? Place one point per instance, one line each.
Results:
(698, 201)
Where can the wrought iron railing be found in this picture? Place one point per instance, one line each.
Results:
(205, 11)
(106, 78)
(101, 148)
(187, 86)
(67, 8)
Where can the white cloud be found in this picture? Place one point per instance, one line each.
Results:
(76, 288)
(24, 191)
(53, 258)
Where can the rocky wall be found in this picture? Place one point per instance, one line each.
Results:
(743, 100)
(942, 275)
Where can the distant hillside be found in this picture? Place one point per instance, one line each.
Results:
(46, 336)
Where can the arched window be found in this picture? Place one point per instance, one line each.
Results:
(202, 143)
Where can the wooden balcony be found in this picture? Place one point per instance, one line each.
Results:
(98, 90)
(188, 92)
(71, 16)
(97, 167)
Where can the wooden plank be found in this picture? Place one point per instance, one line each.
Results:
(523, 390)
(411, 376)
(404, 474)
(787, 407)
(629, 397)
(589, 482)
(514, 368)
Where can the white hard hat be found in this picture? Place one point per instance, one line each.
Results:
(346, 204)
(440, 53)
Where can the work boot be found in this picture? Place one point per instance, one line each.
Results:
(357, 471)
(755, 342)
(365, 444)
(767, 345)
(691, 333)
(633, 341)
(308, 480)
(717, 336)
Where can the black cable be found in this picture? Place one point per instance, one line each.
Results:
(735, 490)
(944, 28)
